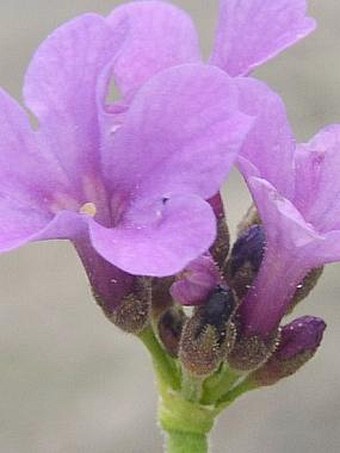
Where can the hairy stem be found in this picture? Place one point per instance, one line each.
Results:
(179, 442)
(165, 366)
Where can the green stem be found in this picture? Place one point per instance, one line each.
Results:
(231, 396)
(165, 366)
(191, 387)
(179, 442)
(218, 385)
(180, 415)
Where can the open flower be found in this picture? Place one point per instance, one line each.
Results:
(302, 229)
(130, 185)
(249, 33)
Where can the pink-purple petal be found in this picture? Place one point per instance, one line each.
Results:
(28, 179)
(197, 282)
(65, 225)
(160, 36)
(317, 179)
(61, 90)
(250, 32)
(285, 226)
(159, 240)
(181, 134)
(36, 200)
(268, 150)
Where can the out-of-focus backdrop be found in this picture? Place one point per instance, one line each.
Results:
(69, 381)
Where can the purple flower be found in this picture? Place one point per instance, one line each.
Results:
(127, 186)
(302, 227)
(249, 32)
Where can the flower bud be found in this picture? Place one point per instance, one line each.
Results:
(245, 260)
(209, 334)
(299, 342)
(170, 327)
(196, 282)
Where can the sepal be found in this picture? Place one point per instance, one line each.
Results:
(132, 314)
(209, 334)
(305, 287)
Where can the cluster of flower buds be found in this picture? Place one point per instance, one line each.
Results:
(213, 331)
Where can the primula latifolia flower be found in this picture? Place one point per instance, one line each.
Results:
(300, 215)
(130, 184)
(163, 35)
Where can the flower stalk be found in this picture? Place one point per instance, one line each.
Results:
(179, 442)
(185, 421)
(165, 367)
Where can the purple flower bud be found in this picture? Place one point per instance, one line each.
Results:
(196, 282)
(209, 335)
(249, 248)
(299, 341)
(219, 308)
(300, 336)
(246, 258)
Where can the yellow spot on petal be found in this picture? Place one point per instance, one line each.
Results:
(89, 209)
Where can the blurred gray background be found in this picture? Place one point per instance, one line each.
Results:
(69, 381)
